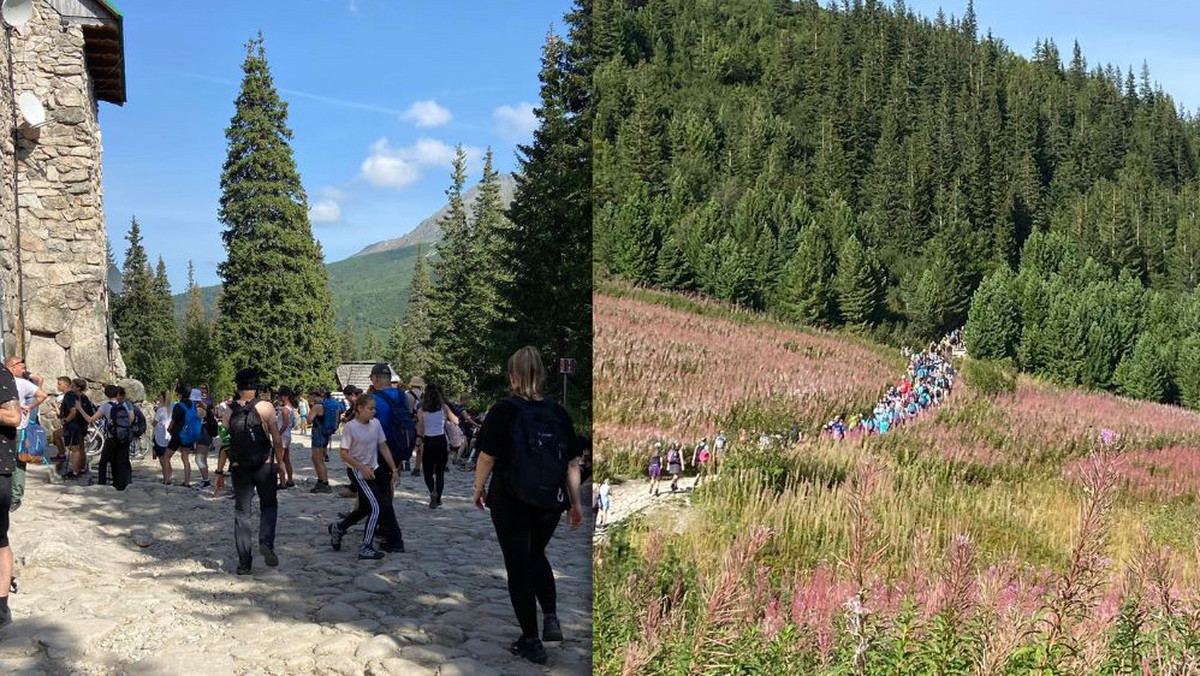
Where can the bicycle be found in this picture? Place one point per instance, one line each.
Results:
(93, 443)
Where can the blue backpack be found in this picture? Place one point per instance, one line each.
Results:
(331, 413)
(400, 428)
(33, 444)
(192, 425)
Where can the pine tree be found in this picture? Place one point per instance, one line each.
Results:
(859, 284)
(1145, 373)
(450, 310)
(672, 271)
(394, 350)
(276, 308)
(994, 324)
(372, 349)
(200, 358)
(634, 239)
(550, 295)
(486, 355)
(414, 355)
(163, 349)
(134, 308)
(806, 292)
(1188, 372)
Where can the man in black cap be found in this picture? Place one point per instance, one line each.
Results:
(10, 419)
(254, 445)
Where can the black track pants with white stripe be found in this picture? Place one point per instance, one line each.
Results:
(372, 493)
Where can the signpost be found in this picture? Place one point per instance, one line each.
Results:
(566, 367)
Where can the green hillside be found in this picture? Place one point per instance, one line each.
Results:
(369, 289)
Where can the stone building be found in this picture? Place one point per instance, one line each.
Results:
(53, 272)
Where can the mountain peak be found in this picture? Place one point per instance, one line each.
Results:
(428, 231)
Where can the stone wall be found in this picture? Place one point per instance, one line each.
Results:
(60, 198)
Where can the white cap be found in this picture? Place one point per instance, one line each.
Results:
(196, 396)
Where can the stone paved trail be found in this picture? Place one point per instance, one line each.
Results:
(142, 583)
(633, 497)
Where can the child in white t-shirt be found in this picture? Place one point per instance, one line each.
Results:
(363, 444)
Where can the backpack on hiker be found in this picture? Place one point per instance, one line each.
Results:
(192, 424)
(537, 469)
(331, 413)
(249, 444)
(120, 423)
(400, 428)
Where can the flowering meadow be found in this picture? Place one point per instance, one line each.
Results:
(1048, 531)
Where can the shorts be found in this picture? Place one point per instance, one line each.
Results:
(606, 503)
(655, 471)
(204, 439)
(319, 439)
(72, 436)
(159, 451)
(675, 469)
(5, 502)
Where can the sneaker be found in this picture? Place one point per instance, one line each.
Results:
(14, 506)
(433, 501)
(369, 552)
(439, 501)
(205, 484)
(321, 487)
(243, 569)
(551, 630)
(335, 537)
(530, 649)
(272, 560)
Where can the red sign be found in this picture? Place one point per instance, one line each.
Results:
(566, 366)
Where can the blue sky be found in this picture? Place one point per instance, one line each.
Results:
(378, 92)
(1161, 32)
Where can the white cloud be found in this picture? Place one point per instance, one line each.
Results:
(515, 124)
(389, 166)
(325, 211)
(332, 194)
(427, 114)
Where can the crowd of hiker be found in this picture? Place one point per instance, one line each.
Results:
(929, 378)
(524, 454)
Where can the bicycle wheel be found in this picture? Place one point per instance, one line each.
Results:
(140, 447)
(94, 442)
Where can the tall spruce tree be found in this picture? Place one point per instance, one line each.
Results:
(276, 308)
(806, 291)
(485, 354)
(550, 295)
(993, 328)
(450, 304)
(414, 356)
(201, 360)
(134, 308)
(165, 365)
(859, 287)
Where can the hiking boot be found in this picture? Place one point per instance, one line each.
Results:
(269, 555)
(369, 552)
(439, 500)
(530, 649)
(551, 631)
(335, 537)
(243, 569)
(321, 487)
(433, 501)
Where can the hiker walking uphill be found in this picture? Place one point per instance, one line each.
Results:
(364, 446)
(434, 417)
(254, 444)
(529, 450)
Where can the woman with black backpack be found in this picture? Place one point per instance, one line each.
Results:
(530, 488)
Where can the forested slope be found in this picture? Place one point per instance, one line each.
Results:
(865, 166)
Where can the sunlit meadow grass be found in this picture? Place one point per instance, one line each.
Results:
(991, 536)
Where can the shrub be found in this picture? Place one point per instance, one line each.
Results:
(990, 378)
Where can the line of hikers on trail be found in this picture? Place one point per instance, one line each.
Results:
(526, 462)
(928, 380)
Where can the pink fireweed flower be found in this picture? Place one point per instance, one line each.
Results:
(1107, 437)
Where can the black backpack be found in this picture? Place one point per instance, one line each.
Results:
(138, 428)
(249, 444)
(120, 425)
(537, 469)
